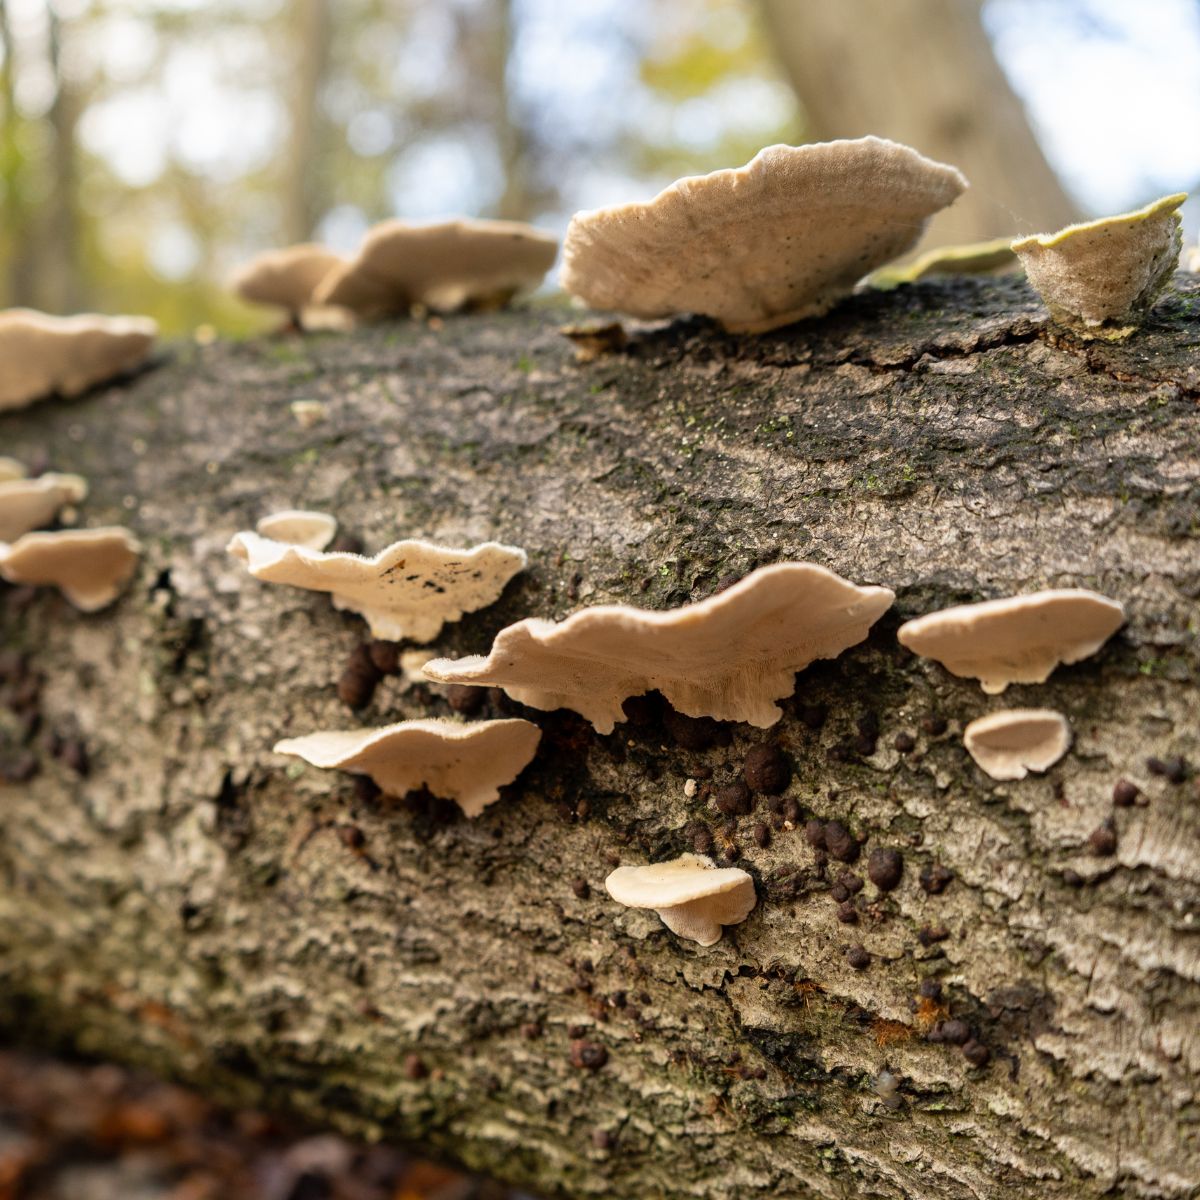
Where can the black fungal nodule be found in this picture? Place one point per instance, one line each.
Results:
(884, 868)
(766, 769)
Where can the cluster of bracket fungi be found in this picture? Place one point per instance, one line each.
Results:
(781, 239)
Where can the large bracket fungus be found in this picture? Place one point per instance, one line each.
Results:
(27, 504)
(444, 267)
(1019, 639)
(407, 591)
(1100, 278)
(1010, 744)
(782, 238)
(729, 657)
(468, 764)
(44, 354)
(694, 897)
(89, 566)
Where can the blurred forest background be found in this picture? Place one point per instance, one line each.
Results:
(149, 146)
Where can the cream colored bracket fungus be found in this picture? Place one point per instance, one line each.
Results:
(286, 278)
(784, 237)
(1100, 278)
(27, 504)
(444, 267)
(408, 590)
(1008, 745)
(972, 258)
(299, 527)
(42, 355)
(694, 897)
(1020, 639)
(468, 764)
(729, 657)
(89, 566)
(10, 469)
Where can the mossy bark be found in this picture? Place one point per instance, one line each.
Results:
(195, 903)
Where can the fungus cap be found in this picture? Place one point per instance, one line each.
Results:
(286, 278)
(299, 527)
(971, 258)
(1019, 639)
(89, 566)
(730, 656)
(44, 354)
(27, 504)
(693, 896)
(1099, 278)
(464, 763)
(10, 469)
(408, 590)
(782, 238)
(445, 267)
(1010, 744)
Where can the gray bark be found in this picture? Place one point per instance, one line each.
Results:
(193, 903)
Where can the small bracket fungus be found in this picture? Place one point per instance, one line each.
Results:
(286, 278)
(1100, 278)
(445, 267)
(729, 657)
(1008, 745)
(408, 590)
(89, 566)
(468, 764)
(10, 469)
(299, 527)
(782, 238)
(693, 896)
(27, 504)
(972, 258)
(1020, 639)
(43, 354)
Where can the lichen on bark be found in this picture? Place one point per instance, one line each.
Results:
(195, 904)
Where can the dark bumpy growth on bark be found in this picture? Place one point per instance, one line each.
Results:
(1028, 1026)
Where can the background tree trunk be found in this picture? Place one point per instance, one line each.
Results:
(196, 903)
(304, 190)
(923, 73)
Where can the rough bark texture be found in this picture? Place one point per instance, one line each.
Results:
(195, 903)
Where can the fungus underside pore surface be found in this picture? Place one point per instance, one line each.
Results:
(942, 440)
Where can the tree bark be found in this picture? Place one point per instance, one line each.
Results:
(923, 73)
(197, 904)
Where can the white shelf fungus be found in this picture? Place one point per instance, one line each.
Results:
(970, 258)
(729, 657)
(782, 238)
(1008, 745)
(1019, 639)
(299, 527)
(43, 354)
(286, 278)
(408, 590)
(1100, 278)
(27, 504)
(89, 566)
(444, 267)
(10, 469)
(464, 763)
(694, 897)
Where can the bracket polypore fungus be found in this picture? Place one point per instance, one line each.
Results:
(27, 504)
(1019, 639)
(10, 469)
(694, 897)
(89, 566)
(729, 657)
(408, 590)
(43, 354)
(445, 267)
(784, 237)
(299, 527)
(468, 764)
(1008, 745)
(1099, 279)
(972, 258)
(286, 278)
